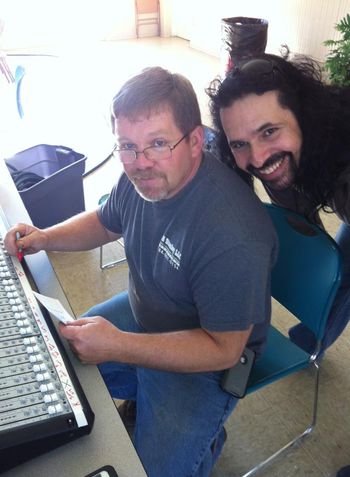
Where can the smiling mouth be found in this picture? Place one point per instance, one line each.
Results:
(272, 168)
(278, 172)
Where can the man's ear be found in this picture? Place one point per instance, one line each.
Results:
(197, 139)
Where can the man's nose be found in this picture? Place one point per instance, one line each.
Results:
(142, 162)
(258, 155)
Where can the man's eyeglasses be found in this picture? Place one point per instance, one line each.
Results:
(152, 153)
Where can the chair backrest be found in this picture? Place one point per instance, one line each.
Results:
(147, 15)
(147, 6)
(307, 274)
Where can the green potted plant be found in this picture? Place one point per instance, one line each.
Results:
(337, 63)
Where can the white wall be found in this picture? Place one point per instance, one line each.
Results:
(166, 13)
(301, 24)
(31, 23)
(182, 18)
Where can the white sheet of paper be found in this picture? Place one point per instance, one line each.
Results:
(55, 307)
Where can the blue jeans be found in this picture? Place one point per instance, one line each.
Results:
(344, 472)
(340, 311)
(179, 415)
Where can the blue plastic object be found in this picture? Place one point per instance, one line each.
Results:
(19, 74)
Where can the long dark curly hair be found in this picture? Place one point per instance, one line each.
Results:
(322, 111)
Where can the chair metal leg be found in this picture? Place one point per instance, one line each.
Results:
(104, 266)
(297, 440)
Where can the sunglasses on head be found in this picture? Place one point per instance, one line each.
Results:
(263, 67)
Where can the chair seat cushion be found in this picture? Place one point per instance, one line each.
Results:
(280, 358)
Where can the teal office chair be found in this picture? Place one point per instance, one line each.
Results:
(305, 281)
(103, 265)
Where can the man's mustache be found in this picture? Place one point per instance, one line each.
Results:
(146, 175)
(270, 161)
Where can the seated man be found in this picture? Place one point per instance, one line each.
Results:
(277, 121)
(200, 248)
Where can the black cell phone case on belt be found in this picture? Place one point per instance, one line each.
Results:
(235, 379)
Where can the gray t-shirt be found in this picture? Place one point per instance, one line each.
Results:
(199, 259)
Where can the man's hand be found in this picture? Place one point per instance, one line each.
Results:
(81, 232)
(92, 339)
(31, 239)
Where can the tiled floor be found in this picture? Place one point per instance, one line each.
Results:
(266, 420)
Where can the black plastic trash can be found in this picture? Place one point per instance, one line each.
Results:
(50, 183)
(242, 37)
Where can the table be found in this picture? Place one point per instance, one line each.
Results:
(109, 442)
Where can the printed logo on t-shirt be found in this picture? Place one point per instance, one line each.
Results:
(172, 254)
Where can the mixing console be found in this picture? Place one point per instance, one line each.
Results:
(42, 404)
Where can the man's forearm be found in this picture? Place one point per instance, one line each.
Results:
(82, 232)
(95, 340)
(183, 351)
